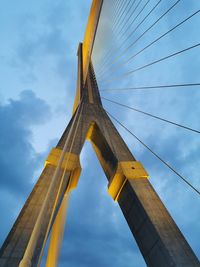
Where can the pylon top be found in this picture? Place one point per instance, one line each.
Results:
(90, 33)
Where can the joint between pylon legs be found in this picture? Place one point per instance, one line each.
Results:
(90, 131)
(70, 163)
(125, 170)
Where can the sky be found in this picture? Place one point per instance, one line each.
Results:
(38, 68)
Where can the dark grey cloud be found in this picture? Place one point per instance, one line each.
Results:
(18, 159)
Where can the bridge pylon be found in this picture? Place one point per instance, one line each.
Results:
(158, 237)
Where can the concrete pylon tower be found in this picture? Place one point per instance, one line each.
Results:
(159, 239)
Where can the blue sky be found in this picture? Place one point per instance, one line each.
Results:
(39, 41)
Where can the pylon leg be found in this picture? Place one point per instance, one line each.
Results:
(57, 233)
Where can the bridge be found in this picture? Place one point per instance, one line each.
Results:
(109, 62)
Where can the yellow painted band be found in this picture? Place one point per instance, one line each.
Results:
(125, 170)
(70, 163)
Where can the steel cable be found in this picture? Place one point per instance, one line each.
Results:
(151, 87)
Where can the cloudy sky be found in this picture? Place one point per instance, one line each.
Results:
(38, 63)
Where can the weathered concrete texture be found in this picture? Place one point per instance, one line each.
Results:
(159, 239)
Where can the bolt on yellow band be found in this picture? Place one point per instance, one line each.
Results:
(125, 170)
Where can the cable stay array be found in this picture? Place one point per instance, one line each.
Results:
(119, 29)
(140, 26)
(123, 33)
(113, 49)
(138, 38)
(153, 63)
(114, 32)
(122, 14)
(150, 44)
(114, 21)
